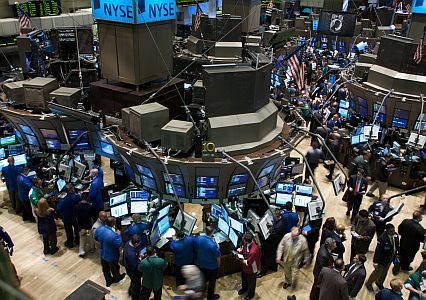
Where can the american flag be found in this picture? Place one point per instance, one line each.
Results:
(296, 65)
(24, 20)
(420, 51)
(197, 18)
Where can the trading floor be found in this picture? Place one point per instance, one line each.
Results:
(55, 277)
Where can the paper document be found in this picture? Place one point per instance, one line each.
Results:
(354, 234)
(394, 211)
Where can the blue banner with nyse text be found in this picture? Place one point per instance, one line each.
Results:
(134, 11)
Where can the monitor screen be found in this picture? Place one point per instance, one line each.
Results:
(206, 193)
(163, 212)
(419, 7)
(303, 189)
(216, 211)
(148, 182)
(355, 139)
(400, 123)
(53, 144)
(363, 139)
(119, 210)
(49, 134)
(107, 148)
(313, 41)
(223, 226)
(26, 129)
(207, 181)
(236, 225)
(332, 77)
(239, 178)
(315, 25)
(73, 134)
(262, 181)
(61, 184)
(32, 140)
(139, 207)
(284, 187)
(144, 171)
(236, 191)
(174, 178)
(266, 171)
(401, 113)
(344, 103)
(180, 189)
(301, 201)
(396, 146)
(282, 199)
(380, 118)
(342, 47)
(7, 140)
(20, 159)
(117, 199)
(3, 153)
(18, 134)
(343, 112)
(139, 195)
(297, 169)
(163, 225)
(363, 111)
(233, 237)
(3, 163)
(189, 222)
(417, 125)
(15, 149)
(79, 169)
(154, 237)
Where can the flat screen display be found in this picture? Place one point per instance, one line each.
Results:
(117, 199)
(155, 236)
(73, 134)
(3, 163)
(303, 189)
(144, 170)
(189, 222)
(180, 189)
(216, 211)
(284, 187)
(343, 112)
(302, 201)
(83, 144)
(225, 214)
(18, 134)
(3, 153)
(233, 237)
(138, 207)
(20, 160)
(119, 210)
(139, 195)
(266, 171)
(315, 25)
(344, 103)
(297, 169)
(223, 226)
(148, 182)
(401, 113)
(399, 122)
(419, 7)
(53, 144)
(262, 181)
(206, 193)
(174, 178)
(236, 191)
(239, 178)
(163, 225)
(15, 149)
(236, 225)
(163, 212)
(7, 140)
(380, 118)
(61, 184)
(32, 140)
(49, 134)
(355, 139)
(282, 199)
(107, 148)
(207, 181)
(26, 129)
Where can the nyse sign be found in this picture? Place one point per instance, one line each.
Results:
(134, 12)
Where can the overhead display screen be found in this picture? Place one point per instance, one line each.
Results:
(419, 7)
(39, 8)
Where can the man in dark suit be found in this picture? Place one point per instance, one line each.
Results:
(362, 233)
(387, 248)
(355, 275)
(394, 293)
(312, 235)
(357, 186)
(378, 211)
(332, 283)
(412, 234)
(323, 259)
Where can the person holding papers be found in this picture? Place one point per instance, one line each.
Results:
(362, 233)
(379, 211)
(382, 176)
(250, 265)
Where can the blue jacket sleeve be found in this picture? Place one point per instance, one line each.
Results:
(118, 241)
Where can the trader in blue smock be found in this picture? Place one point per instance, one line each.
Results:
(110, 243)
(10, 174)
(65, 208)
(95, 192)
(183, 247)
(138, 228)
(207, 254)
(24, 186)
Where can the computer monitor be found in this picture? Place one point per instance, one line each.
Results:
(174, 178)
(154, 236)
(3, 153)
(236, 225)
(20, 159)
(61, 184)
(236, 191)
(139, 206)
(207, 181)
(302, 201)
(223, 226)
(148, 182)
(297, 169)
(107, 148)
(206, 193)
(343, 112)
(262, 182)
(188, 223)
(303, 189)
(15, 149)
(396, 146)
(80, 169)
(266, 171)
(163, 212)
(144, 170)
(32, 140)
(7, 140)
(233, 237)
(282, 199)
(119, 210)
(399, 122)
(117, 199)
(355, 139)
(363, 139)
(66, 170)
(239, 178)
(180, 189)
(215, 211)
(370, 132)
(344, 103)
(139, 195)
(315, 25)
(163, 225)
(4, 163)
(225, 214)
(283, 187)
(26, 129)
(53, 144)
(49, 134)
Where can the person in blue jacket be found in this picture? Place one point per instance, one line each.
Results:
(95, 192)
(394, 293)
(207, 254)
(131, 255)
(6, 241)
(110, 243)
(25, 184)
(290, 217)
(65, 209)
(183, 247)
(10, 174)
(139, 228)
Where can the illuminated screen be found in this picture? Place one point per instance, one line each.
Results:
(154, 237)
(3, 163)
(118, 199)
(263, 181)
(138, 207)
(20, 160)
(266, 171)
(83, 143)
(119, 210)
(32, 140)
(180, 189)
(282, 199)
(355, 139)
(344, 103)
(49, 133)
(39, 8)
(163, 225)
(74, 134)
(148, 182)
(343, 112)
(303, 189)
(362, 106)
(206, 193)
(26, 129)
(284, 187)
(401, 113)
(15, 149)
(174, 178)
(233, 237)
(216, 211)
(163, 212)
(419, 7)
(382, 109)
(380, 118)
(2, 153)
(225, 215)
(107, 148)
(61, 184)
(302, 201)
(18, 134)
(207, 181)
(400, 123)
(53, 144)
(236, 191)
(144, 170)
(315, 25)
(7, 140)
(139, 195)
(223, 226)
(239, 178)
(236, 225)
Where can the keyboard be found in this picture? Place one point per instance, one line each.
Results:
(161, 242)
(169, 233)
(220, 237)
